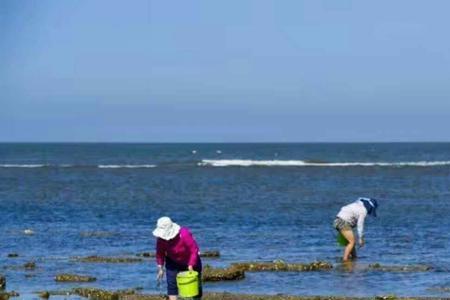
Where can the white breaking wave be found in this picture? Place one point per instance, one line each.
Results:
(22, 165)
(302, 163)
(73, 166)
(125, 166)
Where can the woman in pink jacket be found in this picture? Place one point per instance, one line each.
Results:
(178, 250)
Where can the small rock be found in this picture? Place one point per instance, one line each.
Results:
(44, 295)
(2, 282)
(11, 255)
(30, 265)
(211, 253)
(146, 254)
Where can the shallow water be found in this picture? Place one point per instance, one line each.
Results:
(77, 207)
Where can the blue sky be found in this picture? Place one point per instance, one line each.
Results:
(224, 71)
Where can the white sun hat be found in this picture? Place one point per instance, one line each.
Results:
(166, 229)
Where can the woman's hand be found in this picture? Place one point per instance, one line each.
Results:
(190, 268)
(160, 274)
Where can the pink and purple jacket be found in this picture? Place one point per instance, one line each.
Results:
(182, 249)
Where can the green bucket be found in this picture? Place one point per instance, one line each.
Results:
(341, 240)
(187, 283)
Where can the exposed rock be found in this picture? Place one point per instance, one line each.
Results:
(104, 259)
(74, 278)
(44, 295)
(31, 265)
(7, 295)
(281, 266)
(388, 297)
(12, 255)
(98, 294)
(222, 274)
(211, 253)
(2, 282)
(146, 254)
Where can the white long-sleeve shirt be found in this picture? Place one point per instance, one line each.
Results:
(355, 214)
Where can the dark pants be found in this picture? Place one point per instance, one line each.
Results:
(173, 268)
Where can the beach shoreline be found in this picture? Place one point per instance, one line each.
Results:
(99, 294)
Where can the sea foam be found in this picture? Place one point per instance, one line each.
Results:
(125, 166)
(303, 163)
(22, 165)
(74, 166)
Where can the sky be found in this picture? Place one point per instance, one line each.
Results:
(224, 71)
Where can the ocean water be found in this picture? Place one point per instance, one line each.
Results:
(249, 201)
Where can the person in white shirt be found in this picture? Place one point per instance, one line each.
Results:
(351, 216)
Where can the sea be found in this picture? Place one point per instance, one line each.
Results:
(252, 202)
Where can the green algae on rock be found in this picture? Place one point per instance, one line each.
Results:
(106, 259)
(222, 274)
(7, 295)
(210, 253)
(281, 266)
(44, 295)
(146, 254)
(388, 297)
(31, 265)
(99, 294)
(74, 278)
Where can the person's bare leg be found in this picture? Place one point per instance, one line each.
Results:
(173, 297)
(354, 256)
(350, 237)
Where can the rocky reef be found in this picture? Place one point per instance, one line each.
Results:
(222, 274)
(74, 278)
(281, 266)
(99, 294)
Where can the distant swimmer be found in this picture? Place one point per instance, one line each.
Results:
(351, 216)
